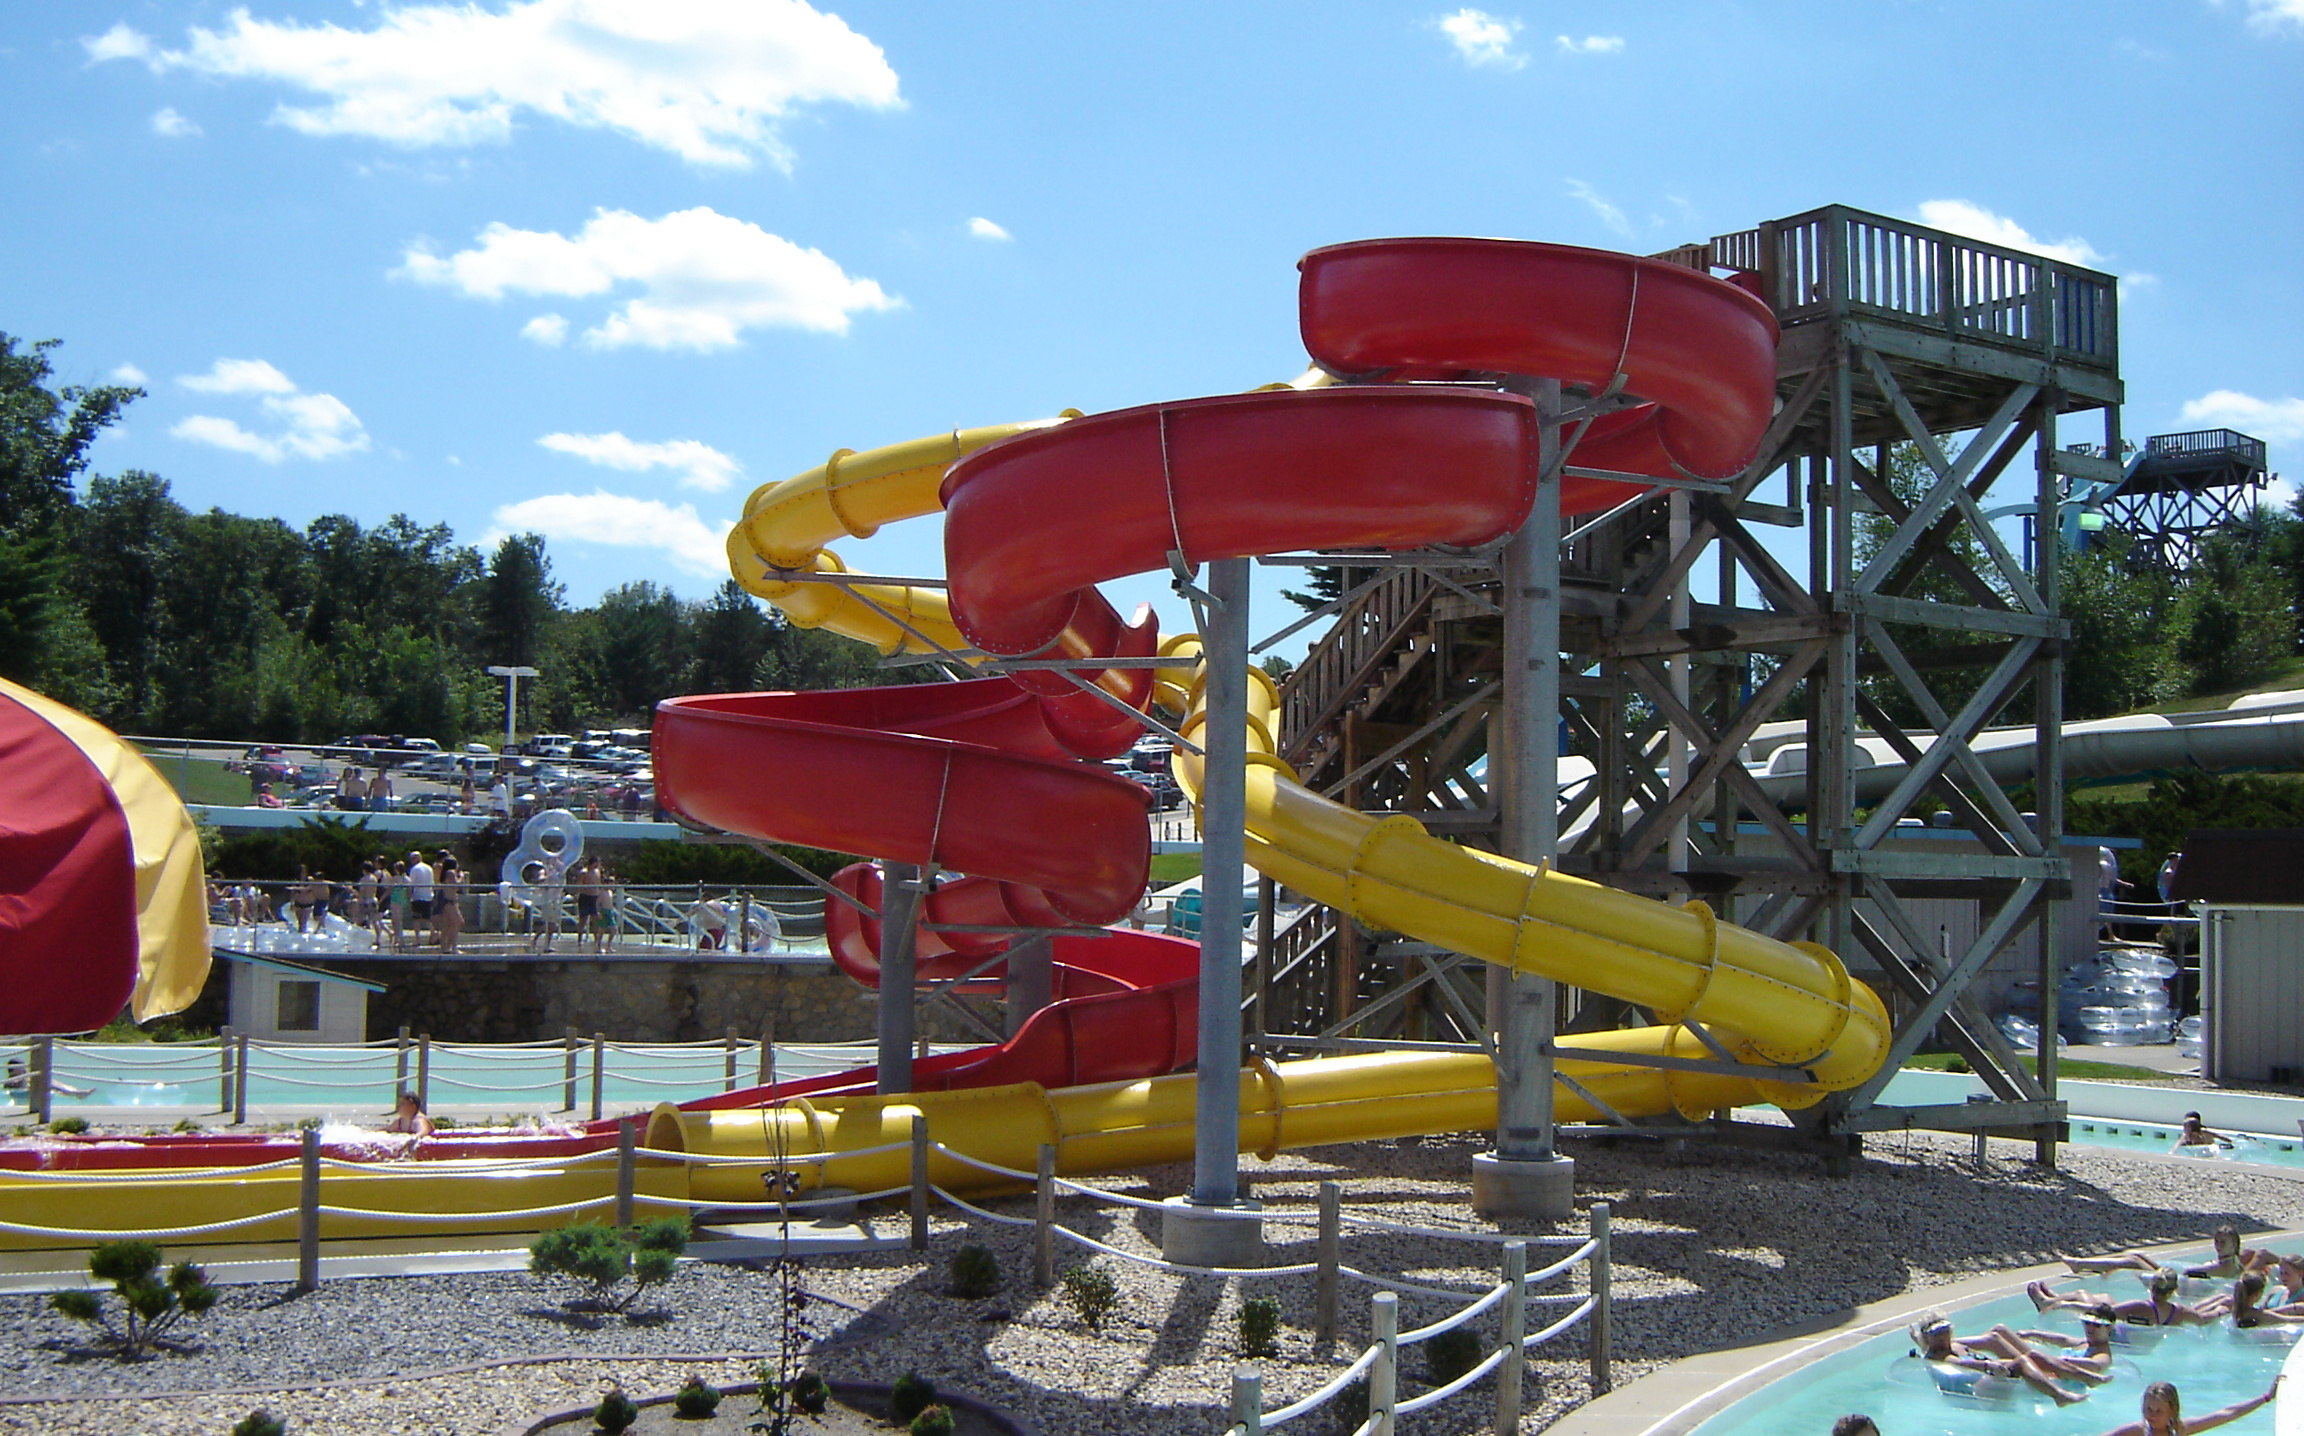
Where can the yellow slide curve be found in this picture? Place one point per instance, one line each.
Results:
(1770, 1002)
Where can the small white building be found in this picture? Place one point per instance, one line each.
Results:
(2249, 886)
(273, 1000)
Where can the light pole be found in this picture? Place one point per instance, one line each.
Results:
(511, 674)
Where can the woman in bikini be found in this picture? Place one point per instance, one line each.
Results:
(2163, 1413)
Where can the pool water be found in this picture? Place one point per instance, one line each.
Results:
(2211, 1366)
(357, 1080)
(2150, 1137)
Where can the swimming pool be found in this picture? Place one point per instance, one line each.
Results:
(2151, 1137)
(506, 1078)
(2212, 1367)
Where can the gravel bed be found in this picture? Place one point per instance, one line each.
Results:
(1713, 1246)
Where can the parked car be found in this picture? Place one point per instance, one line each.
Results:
(267, 764)
(363, 748)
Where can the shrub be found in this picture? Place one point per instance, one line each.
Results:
(696, 1398)
(603, 1257)
(912, 1394)
(186, 1124)
(934, 1421)
(975, 1272)
(615, 1411)
(65, 1126)
(1092, 1294)
(809, 1393)
(1451, 1354)
(151, 1305)
(260, 1423)
(1260, 1326)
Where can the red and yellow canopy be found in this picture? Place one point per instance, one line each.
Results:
(102, 897)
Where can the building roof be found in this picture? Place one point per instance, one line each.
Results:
(282, 965)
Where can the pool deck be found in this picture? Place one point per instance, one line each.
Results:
(1682, 1396)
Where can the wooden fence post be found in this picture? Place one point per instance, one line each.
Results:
(424, 1073)
(568, 1072)
(599, 1068)
(1515, 1365)
(919, 1184)
(308, 1215)
(1247, 1401)
(1600, 1300)
(627, 1163)
(240, 1080)
(42, 1079)
(224, 1049)
(768, 1053)
(1331, 1246)
(728, 1065)
(1044, 1221)
(1384, 1376)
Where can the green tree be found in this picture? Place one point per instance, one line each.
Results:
(2233, 622)
(732, 635)
(518, 601)
(2119, 656)
(45, 434)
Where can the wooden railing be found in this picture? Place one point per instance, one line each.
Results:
(1345, 661)
(1843, 258)
(2208, 441)
(1293, 986)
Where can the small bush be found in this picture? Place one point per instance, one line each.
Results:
(65, 1126)
(603, 1257)
(911, 1395)
(975, 1272)
(1092, 1294)
(1955, 1063)
(1451, 1354)
(186, 1124)
(151, 1305)
(809, 1393)
(934, 1421)
(696, 1398)
(1260, 1326)
(260, 1423)
(615, 1411)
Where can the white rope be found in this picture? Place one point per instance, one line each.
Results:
(438, 1079)
(432, 1166)
(1582, 1310)
(143, 1175)
(786, 1159)
(1441, 1393)
(1499, 1238)
(1182, 1270)
(434, 1218)
(771, 1205)
(979, 1211)
(1406, 1287)
(78, 1234)
(1326, 1393)
(1563, 1264)
(1450, 1323)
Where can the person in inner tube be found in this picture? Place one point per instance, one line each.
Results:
(1998, 1353)
(2163, 1413)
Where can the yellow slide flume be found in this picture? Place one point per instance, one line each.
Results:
(1773, 1003)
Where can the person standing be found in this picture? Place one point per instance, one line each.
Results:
(420, 887)
(588, 903)
(351, 793)
(549, 886)
(380, 792)
(464, 804)
(448, 904)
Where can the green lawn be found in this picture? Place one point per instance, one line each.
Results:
(203, 780)
(1174, 868)
(2078, 1070)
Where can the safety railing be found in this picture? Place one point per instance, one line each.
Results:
(44, 1069)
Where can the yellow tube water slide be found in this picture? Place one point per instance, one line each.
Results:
(1772, 1003)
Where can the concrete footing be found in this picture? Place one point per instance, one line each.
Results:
(1192, 1235)
(1509, 1191)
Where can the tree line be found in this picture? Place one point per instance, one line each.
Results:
(119, 600)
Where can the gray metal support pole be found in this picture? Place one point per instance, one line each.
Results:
(1031, 979)
(1529, 786)
(899, 915)
(308, 1215)
(1223, 865)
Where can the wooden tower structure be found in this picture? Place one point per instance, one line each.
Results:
(1848, 580)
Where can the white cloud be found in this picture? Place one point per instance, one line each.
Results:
(709, 80)
(550, 330)
(166, 122)
(700, 465)
(129, 374)
(239, 376)
(704, 278)
(1958, 216)
(118, 43)
(617, 519)
(2276, 17)
(311, 426)
(2276, 421)
(1484, 39)
(1590, 45)
(1609, 214)
(983, 228)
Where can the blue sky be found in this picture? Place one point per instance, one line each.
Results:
(597, 267)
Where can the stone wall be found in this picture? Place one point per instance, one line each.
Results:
(647, 999)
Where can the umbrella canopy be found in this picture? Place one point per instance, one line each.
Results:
(102, 898)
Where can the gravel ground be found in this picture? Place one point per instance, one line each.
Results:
(1713, 1246)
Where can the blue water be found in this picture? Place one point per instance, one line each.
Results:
(355, 1079)
(2151, 1137)
(2211, 1366)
